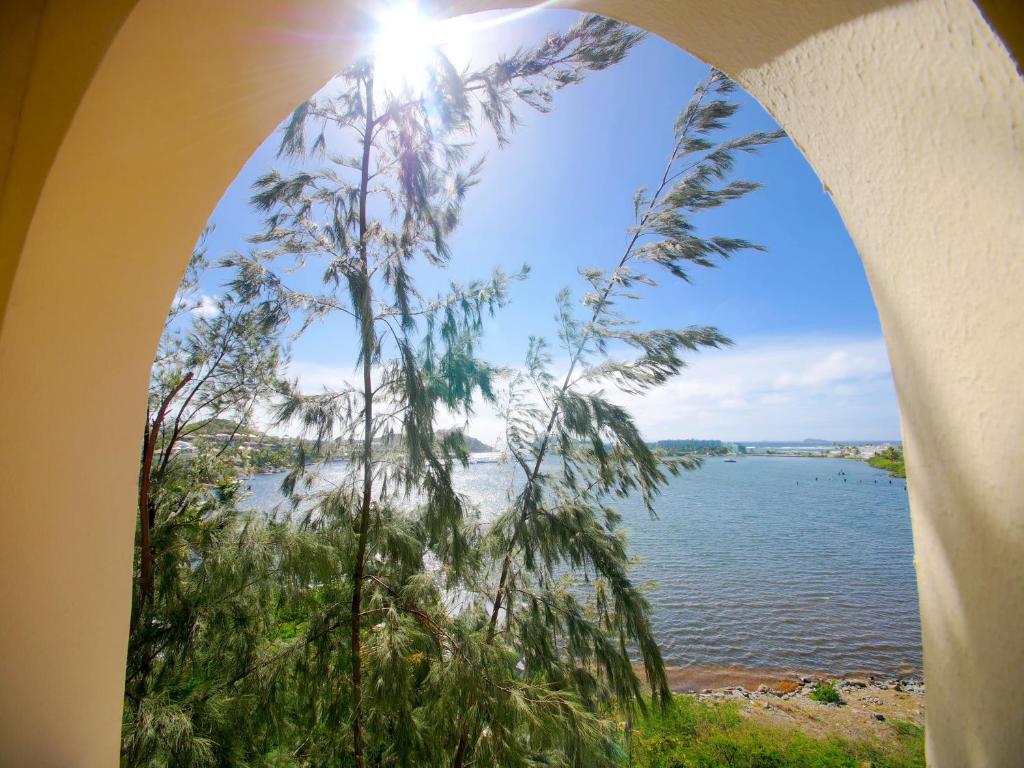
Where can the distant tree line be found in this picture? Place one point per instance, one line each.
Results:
(700, 447)
(891, 460)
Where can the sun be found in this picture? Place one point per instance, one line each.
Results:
(407, 40)
(406, 43)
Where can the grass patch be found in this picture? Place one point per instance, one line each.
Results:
(826, 693)
(693, 734)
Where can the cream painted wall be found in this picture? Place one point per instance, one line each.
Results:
(911, 113)
(49, 51)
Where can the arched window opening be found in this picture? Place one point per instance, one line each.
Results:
(388, 471)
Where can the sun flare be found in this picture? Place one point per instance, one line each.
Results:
(406, 42)
(408, 37)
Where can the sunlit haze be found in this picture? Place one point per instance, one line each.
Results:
(406, 40)
(408, 37)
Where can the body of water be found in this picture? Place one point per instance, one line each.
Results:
(768, 562)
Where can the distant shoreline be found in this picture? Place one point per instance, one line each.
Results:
(695, 678)
(791, 456)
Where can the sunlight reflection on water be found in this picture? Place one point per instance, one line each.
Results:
(767, 562)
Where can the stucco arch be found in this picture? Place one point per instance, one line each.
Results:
(124, 121)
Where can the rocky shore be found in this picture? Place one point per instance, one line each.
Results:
(868, 706)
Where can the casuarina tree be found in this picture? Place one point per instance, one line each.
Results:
(559, 605)
(377, 185)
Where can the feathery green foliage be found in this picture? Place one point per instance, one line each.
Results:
(208, 582)
(563, 604)
(382, 620)
(363, 220)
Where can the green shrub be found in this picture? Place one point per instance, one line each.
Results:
(890, 460)
(693, 734)
(826, 693)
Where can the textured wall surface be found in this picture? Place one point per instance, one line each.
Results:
(132, 124)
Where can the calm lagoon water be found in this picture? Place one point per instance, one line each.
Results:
(769, 562)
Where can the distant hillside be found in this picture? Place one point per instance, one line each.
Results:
(267, 453)
(691, 446)
(810, 441)
(223, 427)
(813, 442)
(477, 446)
(227, 426)
(688, 445)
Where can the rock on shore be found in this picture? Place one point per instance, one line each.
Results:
(869, 706)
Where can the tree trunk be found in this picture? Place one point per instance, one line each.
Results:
(148, 449)
(460, 753)
(367, 335)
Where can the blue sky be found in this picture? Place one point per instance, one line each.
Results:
(809, 360)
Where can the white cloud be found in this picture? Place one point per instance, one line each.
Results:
(781, 388)
(762, 389)
(207, 307)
